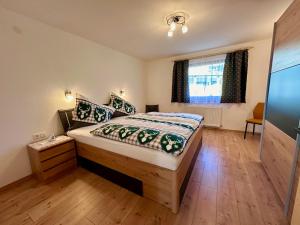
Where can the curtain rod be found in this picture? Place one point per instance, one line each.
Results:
(217, 53)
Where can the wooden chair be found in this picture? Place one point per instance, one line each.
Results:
(258, 114)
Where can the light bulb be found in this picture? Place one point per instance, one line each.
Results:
(184, 29)
(170, 33)
(69, 98)
(173, 26)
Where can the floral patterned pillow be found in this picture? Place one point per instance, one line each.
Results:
(89, 112)
(121, 105)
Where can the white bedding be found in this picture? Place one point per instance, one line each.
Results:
(158, 158)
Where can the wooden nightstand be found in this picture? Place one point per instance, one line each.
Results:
(50, 158)
(152, 108)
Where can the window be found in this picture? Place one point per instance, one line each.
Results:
(205, 80)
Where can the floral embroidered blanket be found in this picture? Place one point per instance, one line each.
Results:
(167, 132)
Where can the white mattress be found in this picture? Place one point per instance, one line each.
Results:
(151, 156)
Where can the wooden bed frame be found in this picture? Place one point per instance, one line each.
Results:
(159, 184)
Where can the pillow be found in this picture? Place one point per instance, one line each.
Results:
(116, 113)
(120, 105)
(89, 112)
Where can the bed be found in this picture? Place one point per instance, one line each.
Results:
(163, 176)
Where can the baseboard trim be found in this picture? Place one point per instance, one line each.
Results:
(15, 183)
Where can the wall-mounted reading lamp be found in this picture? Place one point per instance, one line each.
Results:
(68, 95)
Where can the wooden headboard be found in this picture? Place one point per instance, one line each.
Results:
(66, 118)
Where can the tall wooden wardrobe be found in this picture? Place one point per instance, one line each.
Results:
(280, 139)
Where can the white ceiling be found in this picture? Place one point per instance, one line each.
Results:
(138, 27)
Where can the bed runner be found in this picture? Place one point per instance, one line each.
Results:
(167, 132)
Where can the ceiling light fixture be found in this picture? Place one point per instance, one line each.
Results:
(178, 18)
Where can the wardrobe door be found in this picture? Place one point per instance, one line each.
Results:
(279, 153)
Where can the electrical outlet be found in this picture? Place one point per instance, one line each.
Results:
(39, 136)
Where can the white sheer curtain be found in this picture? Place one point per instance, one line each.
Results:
(205, 79)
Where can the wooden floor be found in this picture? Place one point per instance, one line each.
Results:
(228, 187)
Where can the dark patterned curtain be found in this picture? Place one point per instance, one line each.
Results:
(180, 85)
(235, 77)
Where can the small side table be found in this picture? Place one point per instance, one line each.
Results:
(152, 108)
(50, 158)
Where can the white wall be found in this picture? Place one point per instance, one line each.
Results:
(37, 63)
(159, 84)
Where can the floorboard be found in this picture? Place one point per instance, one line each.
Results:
(228, 186)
